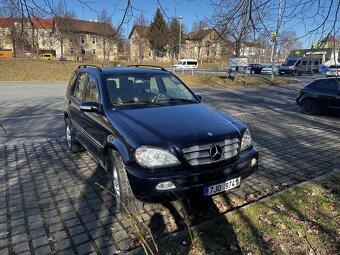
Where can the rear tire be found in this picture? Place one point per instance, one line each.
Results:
(126, 200)
(72, 144)
(309, 106)
(252, 72)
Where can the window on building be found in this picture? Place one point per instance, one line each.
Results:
(83, 51)
(94, 40)
(94, 51)
(82, 39)
(71, 50)
(71, 40)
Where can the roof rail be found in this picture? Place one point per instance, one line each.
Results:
(94, 66)
(150, 66)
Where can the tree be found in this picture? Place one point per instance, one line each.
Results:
(174, 28)
(241, 20)
(15, 31)
(63, 15)
(141, 26)
(158, 35)
(105, 18)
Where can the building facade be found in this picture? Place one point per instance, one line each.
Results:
(65, 38)
(204, 45)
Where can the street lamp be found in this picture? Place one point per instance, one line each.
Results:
(180, 35)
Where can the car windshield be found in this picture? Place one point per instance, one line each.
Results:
(180, 63)
(150, 88)
(289, 63)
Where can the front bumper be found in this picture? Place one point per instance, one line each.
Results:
(189, 182)
(288, 71)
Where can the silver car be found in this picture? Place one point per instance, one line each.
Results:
(333, 70)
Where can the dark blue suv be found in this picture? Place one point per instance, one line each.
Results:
(153, 135)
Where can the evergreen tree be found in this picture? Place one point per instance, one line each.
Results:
(174, 28)
(158, 34)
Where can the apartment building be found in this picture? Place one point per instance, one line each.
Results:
(65, 38)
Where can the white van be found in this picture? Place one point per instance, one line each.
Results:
(186, 64)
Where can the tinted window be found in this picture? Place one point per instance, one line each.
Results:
(144, 88)
(91, 90)
(326, 84)
(80, 86)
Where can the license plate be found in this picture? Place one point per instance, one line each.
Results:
(282, 72)
(218, 188)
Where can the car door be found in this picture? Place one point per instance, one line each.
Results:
(327, 93)
(76, 98)
(91, 121)
(337, 102)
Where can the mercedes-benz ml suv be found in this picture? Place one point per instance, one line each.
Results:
(153, 135)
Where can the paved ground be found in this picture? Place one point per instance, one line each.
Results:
(49, 201)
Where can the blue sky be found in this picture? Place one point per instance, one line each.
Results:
(190, 10)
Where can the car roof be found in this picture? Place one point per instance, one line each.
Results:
(122, 70)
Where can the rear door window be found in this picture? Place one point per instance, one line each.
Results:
(80, 86)
(92, 93)
(327, 84)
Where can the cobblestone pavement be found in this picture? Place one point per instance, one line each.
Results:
(50, 203)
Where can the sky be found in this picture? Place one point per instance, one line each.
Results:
(190, 10)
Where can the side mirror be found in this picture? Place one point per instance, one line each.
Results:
(89, 107)
(199, 97)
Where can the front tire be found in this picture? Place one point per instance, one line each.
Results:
(126, 201)
(72, 144)
(309, 106)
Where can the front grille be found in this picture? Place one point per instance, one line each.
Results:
(200, 154)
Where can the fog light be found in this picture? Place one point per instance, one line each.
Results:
(253, 162)
(165, 186)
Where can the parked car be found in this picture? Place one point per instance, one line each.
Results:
(333, 70)
(154, 136)
(46, 56)
(268, 69)
(320, 95)
(255, 68)
(323, 69)
(186, 64)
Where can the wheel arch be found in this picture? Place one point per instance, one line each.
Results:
(114, 143)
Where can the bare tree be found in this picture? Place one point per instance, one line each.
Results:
(104, 17)
(259, 17)
(140, 37)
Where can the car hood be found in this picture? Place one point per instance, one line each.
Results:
(180, 125)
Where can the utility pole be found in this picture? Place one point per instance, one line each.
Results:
(180, 36)
(274, 36)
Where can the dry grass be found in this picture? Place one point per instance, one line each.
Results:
(303, 220)
(42, 70)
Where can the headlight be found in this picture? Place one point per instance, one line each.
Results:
(152, 157)
(246, 140)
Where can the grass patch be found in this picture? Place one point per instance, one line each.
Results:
(50, 71)
(302, 220)
(238, 81)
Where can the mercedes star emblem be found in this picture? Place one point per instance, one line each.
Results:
(216, 152)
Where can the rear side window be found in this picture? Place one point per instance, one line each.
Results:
(80, 86)
(326, 84)
(92, 90)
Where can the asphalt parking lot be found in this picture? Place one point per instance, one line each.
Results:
(50, 203)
